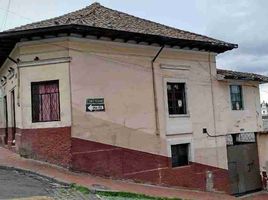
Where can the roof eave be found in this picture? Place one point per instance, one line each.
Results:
(261, 81)
(212, 46)
(10, 38)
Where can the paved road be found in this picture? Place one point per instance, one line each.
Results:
(18, 184)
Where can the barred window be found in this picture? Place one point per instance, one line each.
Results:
(176, 98)
(45, 101)
(236, 97)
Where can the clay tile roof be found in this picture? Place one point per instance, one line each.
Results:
(235, 75)
(99, 16)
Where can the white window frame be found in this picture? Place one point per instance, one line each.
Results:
(176, 80)
(242, 95)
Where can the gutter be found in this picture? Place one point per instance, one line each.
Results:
(18, 79)
(157, 127)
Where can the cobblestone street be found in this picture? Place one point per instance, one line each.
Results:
(19, 184)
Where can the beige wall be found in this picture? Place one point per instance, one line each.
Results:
(262, 139)
(246, 120)
(49, 67)
(121, 74)
(123, 78)
(43, 73)
(11, 84)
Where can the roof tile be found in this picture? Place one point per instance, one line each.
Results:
(99, 16)
(235, 75)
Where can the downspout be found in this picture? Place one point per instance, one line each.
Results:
(212, 93)
(213, 108)
(18, 74)
(157, 128)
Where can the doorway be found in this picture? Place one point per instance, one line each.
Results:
(13, 116)
(6, 119)
(243, 164)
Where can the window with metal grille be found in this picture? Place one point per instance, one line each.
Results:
(180, 155)
(45, 101)
(176, 98)
(236, 97)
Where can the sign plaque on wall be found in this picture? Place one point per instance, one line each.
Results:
(95, 105)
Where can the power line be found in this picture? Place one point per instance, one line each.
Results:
(16, 14)
(6, 15)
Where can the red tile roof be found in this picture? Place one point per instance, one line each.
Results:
(235, 75)
(99, 16)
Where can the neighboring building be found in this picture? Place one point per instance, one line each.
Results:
(162, 109)
(264, 108)
(264, 112)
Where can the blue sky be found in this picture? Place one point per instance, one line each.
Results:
(243, 22)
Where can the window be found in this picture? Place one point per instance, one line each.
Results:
(176, 98)
(236, 97)
(45, 101)
(180, 155)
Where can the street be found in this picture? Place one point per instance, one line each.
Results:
(18, 184)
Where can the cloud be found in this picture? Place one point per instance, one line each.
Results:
(242, 22)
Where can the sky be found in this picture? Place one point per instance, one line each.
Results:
(241, 22)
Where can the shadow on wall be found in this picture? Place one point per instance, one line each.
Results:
(88, 127)
(51, 145)
(107, 149)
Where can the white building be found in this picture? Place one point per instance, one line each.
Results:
(264, 108)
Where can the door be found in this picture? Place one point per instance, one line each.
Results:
(13, 116)
(234, 178)
(6, 119)
(243, 165)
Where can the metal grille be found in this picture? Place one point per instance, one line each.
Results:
(240, 138)
(45, 101)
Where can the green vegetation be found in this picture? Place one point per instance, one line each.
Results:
(80, 188)
(132, 196)
(107, 195)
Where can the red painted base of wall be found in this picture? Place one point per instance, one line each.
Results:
(107, 160)
(48, 144)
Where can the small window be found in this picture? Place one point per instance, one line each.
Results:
(236, 97)
(45, 101)
(180, 155)
(176, 98)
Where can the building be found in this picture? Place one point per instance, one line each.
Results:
(104, 92)
(264, 112)
(264, 108)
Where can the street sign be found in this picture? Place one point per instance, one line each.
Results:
(95, 105)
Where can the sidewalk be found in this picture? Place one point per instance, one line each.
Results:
(10, 159)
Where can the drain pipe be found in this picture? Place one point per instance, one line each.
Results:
(18, 79)
(157, 128)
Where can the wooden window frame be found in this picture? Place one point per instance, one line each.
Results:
(33, 84)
